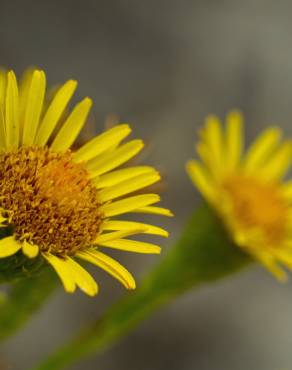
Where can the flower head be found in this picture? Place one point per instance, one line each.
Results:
(247, 191)
(60, 203)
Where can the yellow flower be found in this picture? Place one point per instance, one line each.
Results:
(247, 191)
(60, 203)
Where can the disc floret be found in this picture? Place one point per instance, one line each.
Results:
(50, 200)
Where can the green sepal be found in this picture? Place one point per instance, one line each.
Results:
(18, 265)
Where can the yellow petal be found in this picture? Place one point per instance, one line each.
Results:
(286, 190)
(129, 225)
(30, 250)
(234, 139)
(24, 87)
(270, 263)
(63, 270)
(200, 179)
(118, 176)
(111, 160)
(2, 131)
(155, 211)
(3, 84)
(110, 266)
(2, 110)
(102, 142)
(104, 237)
(132, 246)
(284, 256)
(262, 148)
(214, 140)
(71, 128)
(54, 112)
(129, 186)
(129, 204)
(9, 246)
(206, 156)
(12, 112)
(3, 221)
(34, 106)
(278, 164)
(82, 278)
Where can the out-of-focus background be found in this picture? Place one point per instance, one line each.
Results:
(163, 66)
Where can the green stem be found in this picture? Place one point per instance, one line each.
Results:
(26, 296)
(203, 254)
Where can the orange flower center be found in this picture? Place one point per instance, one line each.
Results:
(49, 200)
(259, 206)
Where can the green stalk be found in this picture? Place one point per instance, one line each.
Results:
(25, 296)
(30, 285)
(204, 254)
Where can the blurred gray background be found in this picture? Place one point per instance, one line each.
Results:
(162, 66)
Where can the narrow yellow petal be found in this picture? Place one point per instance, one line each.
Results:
(132, 246)
(118, 176)
(286, 190)
(200, 179)
(2, 131)
(234, 139)
(111, 160)
(3, 221)
(9, 246)
(54, 112)
(24, 87)
(104, 237)
(12, 112)
(127, 205)
(82, 278)
(25, 80)
(279, 163)
(262, 148)
(270, 263)
(62, 269)
(34, 106)
(285, 257)
(206, 156)
(155, 211)
(2, 110)
(129, 186)
(111, 266)
(71, 128)
(30, 250)
(3, 84)
(130, 225)
(214, 139)
(102, 142)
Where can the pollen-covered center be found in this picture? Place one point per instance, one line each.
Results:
(49, 200)
(259, 206)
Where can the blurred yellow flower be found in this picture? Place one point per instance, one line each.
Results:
(247, 191)
(59, 202)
